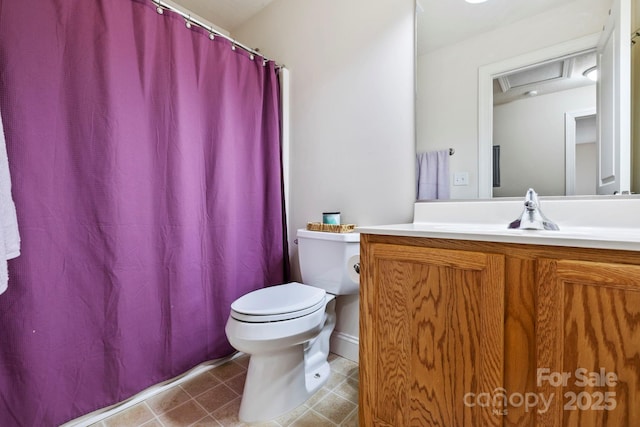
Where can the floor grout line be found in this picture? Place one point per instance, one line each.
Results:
(355, 410)
(342, 379)
(204, 409)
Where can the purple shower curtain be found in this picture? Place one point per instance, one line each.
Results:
(146, 172)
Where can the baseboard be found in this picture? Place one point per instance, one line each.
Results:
(345, 345)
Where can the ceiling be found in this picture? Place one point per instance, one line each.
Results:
(440, 23)
(226, 14)
(444, 22)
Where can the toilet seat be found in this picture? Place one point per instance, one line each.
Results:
(278, 303)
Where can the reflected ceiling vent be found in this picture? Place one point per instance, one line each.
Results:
(545, 73)
(545, 78)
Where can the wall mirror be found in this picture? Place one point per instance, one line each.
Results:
(505, 84)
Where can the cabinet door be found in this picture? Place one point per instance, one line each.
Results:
(431, 336)
(588, 343)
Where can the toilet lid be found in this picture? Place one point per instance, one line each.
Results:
(282, 301)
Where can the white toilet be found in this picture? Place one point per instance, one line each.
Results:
(285, 329)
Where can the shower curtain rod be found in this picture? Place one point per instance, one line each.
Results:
(212, 31)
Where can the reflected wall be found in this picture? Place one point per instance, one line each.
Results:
(447, 79)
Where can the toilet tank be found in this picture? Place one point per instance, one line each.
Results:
(328, 260)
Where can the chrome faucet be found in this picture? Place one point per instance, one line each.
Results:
(532, 217)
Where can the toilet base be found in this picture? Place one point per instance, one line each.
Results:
(279, 381)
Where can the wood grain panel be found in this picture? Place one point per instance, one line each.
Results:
(368, 346)
(549, 342)
(393, 335)
(435, 320)
(519, 338)
(516, 250)
(591, 314)
(445, 351)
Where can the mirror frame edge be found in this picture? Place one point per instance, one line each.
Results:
(487, 73)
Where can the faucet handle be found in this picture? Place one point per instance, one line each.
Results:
(532, 217)
(531, 200)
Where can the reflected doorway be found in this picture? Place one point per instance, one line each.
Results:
(581, 152)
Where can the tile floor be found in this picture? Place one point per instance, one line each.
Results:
(213, 399)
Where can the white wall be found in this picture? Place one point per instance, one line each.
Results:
(586, 155)
(447, 79)
(352, 111)
(635, 99)
(586, 163)
(531, 136)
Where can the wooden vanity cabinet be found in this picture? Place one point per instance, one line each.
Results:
(465, 333)
(588, 325)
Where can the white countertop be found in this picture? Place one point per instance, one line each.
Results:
(587, 223)
(583, 237)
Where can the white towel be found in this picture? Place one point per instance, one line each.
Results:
(9, 235)
(432, 175)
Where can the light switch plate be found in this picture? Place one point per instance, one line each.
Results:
(461, 178)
